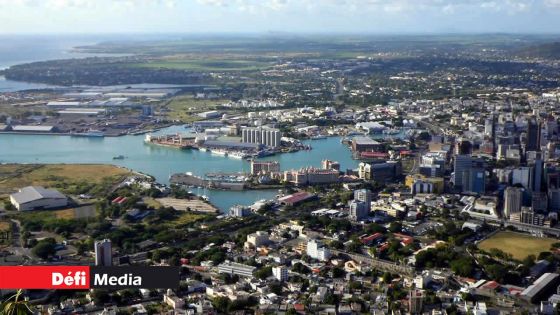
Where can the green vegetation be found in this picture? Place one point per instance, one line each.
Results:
(205, 65)
(92, 179)
(518, 245)
(184, 108)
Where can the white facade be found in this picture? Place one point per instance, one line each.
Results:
(103, 253)
(280, 273)
(257, 239)
(316, 250)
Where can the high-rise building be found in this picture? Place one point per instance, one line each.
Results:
(363, 195)
(460, 165)
(513, 198)
(270, 137)
(469, 174)
(316, 250)
(533, 141)
(538, 170)
(103, 253)
(415, 301)
(280, 273)
(463, 147)
(489, 127)
(359, 210)
(522, 175)
(539, 202)
(554, 199)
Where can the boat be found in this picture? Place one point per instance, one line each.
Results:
(202, 149)
(237, 155)
(89, 133)
(219, 152)
(318, 137)
(118, 157)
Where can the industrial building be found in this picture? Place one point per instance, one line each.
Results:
(37, 197)
(542, 287)
(268, 136)
(365, 144)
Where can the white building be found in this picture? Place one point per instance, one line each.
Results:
(37, 197)
(257, 239)
(280, 273)
(236, 269)
(512, 201)
(316, 250)
(103, 253)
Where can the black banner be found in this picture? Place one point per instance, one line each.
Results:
(147, 277)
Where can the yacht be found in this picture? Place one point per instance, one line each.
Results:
(237, 155)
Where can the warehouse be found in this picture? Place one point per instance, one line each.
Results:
(33, 129)
(37, 197)
(541, 288)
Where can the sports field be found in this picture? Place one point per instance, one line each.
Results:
(517, 244)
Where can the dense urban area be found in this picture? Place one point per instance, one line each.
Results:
(452, 207)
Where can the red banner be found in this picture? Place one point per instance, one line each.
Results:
(44, 277)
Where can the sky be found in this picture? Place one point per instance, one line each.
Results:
(290, 16)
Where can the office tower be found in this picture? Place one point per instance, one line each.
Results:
(539, 202)
(513, 198)
(538, 170)
(103, 254)
(460, 165)
(489, 127)
(359, 210)
(533, 135)
(474, 180)
(463, 147)
(469, 174)
(523, 176)
(363, 195)
(554, 199)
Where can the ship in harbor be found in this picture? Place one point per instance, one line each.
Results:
(89, 133)
(219, 152)
(173, 141)
(238, 155)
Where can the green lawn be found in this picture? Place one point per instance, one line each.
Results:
(517, 244)
(202, 65)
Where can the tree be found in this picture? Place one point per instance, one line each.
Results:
(264, 272)
(44, 248)
(395, 227)
(15, 305)
(221, 304)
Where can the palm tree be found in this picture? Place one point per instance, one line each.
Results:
(15, 305)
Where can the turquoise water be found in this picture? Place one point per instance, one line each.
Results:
(160, 162)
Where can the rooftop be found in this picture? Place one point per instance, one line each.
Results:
(32, 193)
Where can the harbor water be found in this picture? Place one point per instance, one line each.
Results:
(161, 162)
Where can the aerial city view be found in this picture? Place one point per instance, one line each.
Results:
(279, 157)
